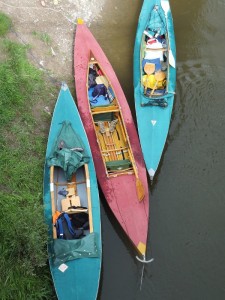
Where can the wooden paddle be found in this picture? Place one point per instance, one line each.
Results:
(149, 68)
(159, 76)
(166, 7)
(139, 185)
(140, 188)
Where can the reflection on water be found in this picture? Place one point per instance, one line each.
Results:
(187, 197)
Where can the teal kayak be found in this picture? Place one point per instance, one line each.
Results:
(154, 79)
(71, 205)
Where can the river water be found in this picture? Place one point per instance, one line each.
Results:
(187, 205)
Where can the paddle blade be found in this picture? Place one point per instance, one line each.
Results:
(140, 189)
(149, 68)
(165, 6)
(172, 59)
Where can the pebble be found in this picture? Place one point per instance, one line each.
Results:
(53, 52)
(47, 110)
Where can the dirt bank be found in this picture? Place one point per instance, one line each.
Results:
(48, 27)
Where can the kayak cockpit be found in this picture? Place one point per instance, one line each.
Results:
(108, 123)
(71, 204)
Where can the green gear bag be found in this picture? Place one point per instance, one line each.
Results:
(68, 151)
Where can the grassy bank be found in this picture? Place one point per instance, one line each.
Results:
(23, 135)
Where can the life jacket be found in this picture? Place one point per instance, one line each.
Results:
(149, 81)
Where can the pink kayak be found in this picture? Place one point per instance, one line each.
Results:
(112, 136)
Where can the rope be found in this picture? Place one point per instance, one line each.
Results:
(142, 275)
(143, 261)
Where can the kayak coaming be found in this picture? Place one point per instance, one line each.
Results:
(81, 278)
(119, 191)
(153, 121)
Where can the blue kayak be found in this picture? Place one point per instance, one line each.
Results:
(154, 78)
(71, 205)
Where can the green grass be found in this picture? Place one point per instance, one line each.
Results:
(23, 137)
(18, 284)
(18, 79)
(5, 24)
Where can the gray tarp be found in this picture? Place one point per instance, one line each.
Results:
(68, 151)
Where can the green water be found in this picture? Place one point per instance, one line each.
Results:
(187, 205)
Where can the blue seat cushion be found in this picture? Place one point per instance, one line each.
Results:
(99, 101)
(155, 61)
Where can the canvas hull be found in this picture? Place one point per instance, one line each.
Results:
(120, 192)
(81, 278)
(153, 121)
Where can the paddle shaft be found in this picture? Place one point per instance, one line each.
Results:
(155, 86)
(52, 200)
(89, 198)
(125, 136)
(166, 7)
(130, 153)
